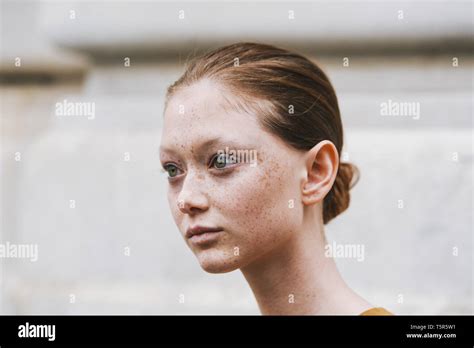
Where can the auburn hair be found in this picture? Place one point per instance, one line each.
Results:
(300, 104)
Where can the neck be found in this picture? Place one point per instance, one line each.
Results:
(298, 278)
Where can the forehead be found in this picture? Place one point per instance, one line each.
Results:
(200, 112)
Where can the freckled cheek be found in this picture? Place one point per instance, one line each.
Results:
(173, 204)
(256, 206)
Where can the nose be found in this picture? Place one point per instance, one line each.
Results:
(192, 198)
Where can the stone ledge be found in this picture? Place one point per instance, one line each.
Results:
(105, 30)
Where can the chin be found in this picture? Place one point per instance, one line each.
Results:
(213, 261)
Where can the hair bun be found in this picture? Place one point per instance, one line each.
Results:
(338, 198)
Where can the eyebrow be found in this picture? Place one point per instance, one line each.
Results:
(204, 144)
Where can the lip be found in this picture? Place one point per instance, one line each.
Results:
(205, 239)
(200, 230)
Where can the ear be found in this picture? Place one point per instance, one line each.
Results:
(322, 162)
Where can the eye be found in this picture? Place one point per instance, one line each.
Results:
(220, 161)
(171, 169)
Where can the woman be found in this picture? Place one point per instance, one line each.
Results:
(263, 214)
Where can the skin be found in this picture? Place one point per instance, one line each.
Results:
(271, 213)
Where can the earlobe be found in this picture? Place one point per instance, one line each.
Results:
(321, 162)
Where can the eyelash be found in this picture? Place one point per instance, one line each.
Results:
(211, 161)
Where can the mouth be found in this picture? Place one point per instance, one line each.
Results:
(203, 234)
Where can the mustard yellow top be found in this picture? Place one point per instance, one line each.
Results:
(376, 311)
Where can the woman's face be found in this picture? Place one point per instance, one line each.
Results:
(254, 197)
